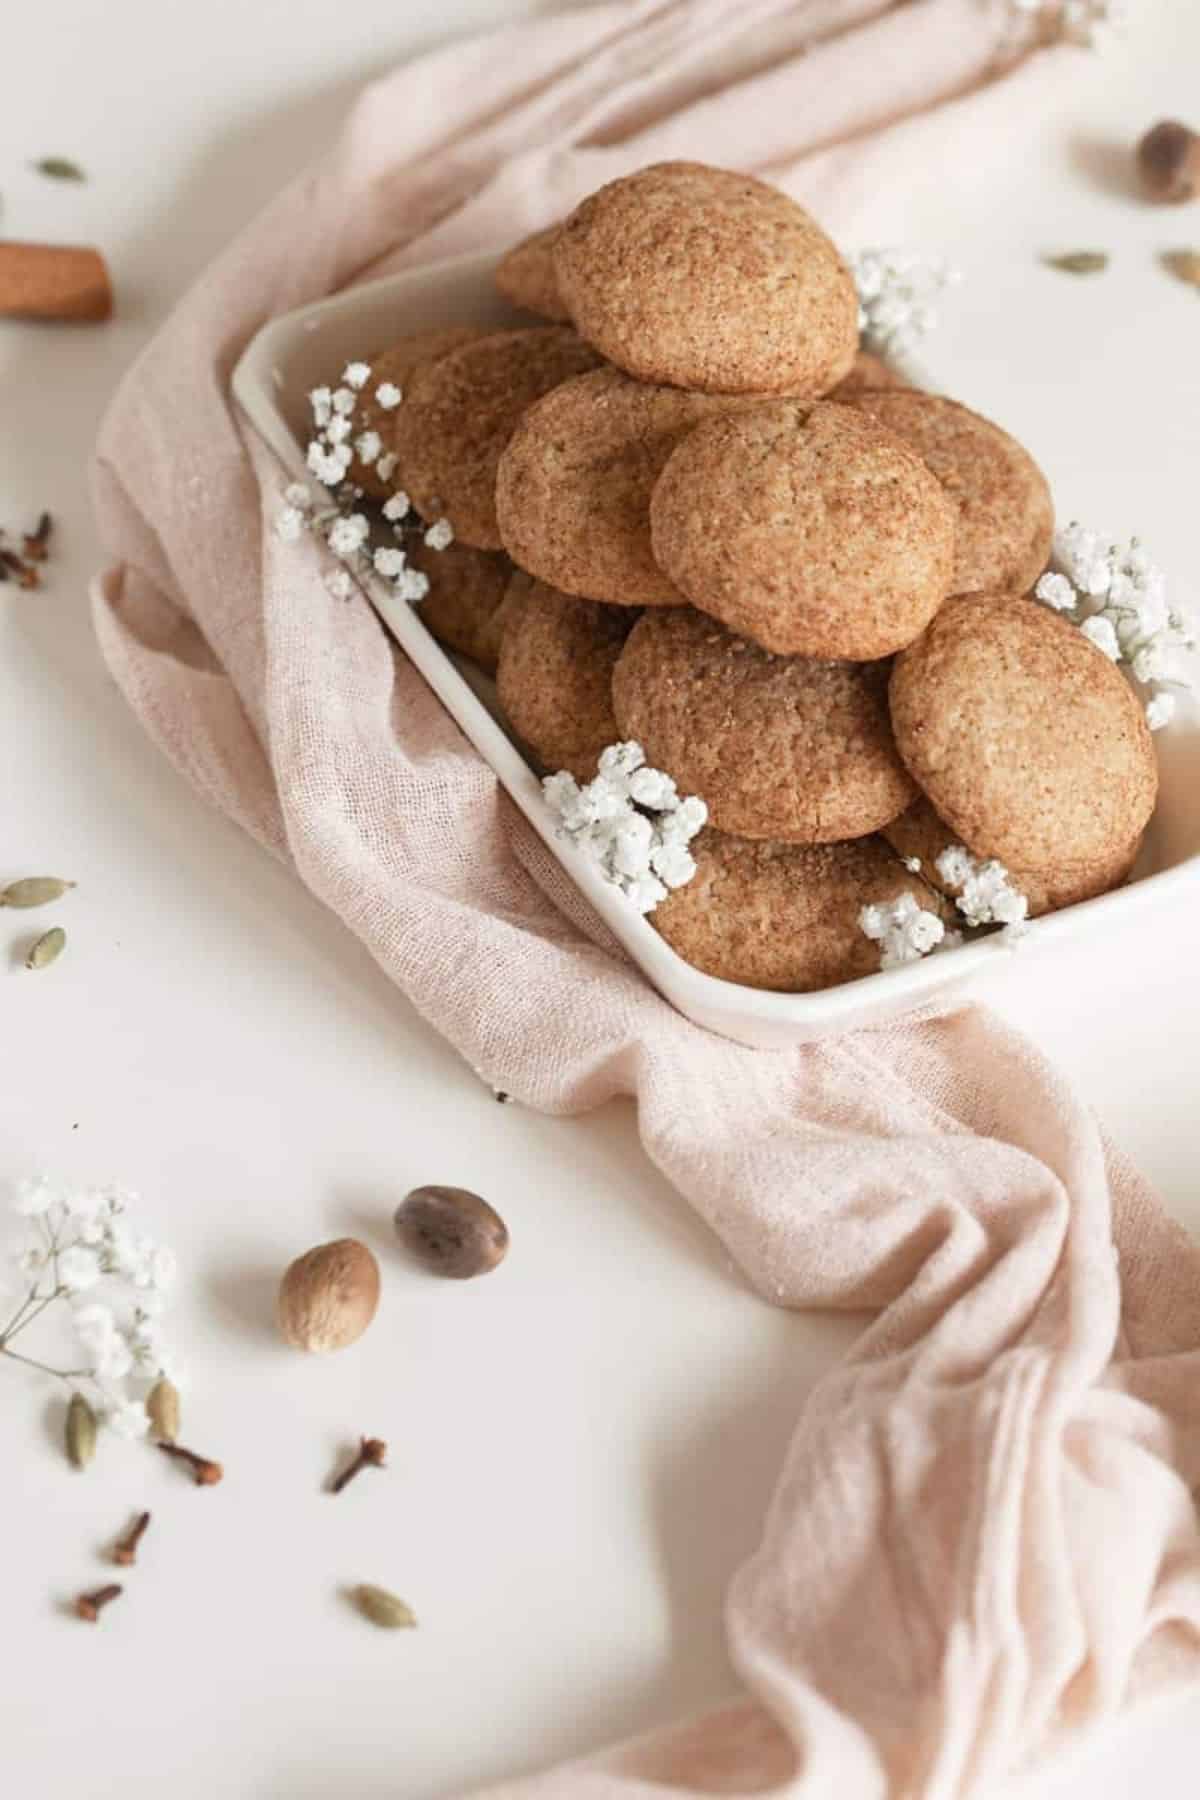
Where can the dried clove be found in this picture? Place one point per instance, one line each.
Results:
(205, 1473)
(372, 1454)
(90, 1606)
(125, 1549)
(35, 543)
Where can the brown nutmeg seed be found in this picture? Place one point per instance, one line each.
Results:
(1169, 160)
(452, 1231)
(329, 1296)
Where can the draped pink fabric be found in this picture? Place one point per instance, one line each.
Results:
(984, 1536)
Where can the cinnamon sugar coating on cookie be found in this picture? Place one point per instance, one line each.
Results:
(782, 916)
(555, 673)
(1005, 509)
(807, 527)
(574, 484)
(465, 605)
(460, 411)
(525, 276)
(1027, 740)
(396, 365)
(706, 279)
(783, 747)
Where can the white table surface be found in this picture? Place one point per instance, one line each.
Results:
(583, 1444)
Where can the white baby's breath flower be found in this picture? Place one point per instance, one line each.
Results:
(356, 375)
(1057, 592)
(94, 1325)
(324, 464)
(389, 562)
(347, 536)
(904, 930)
(1101, 632)
(339, 584)
(297, 495)
(338, 432)
(395, 508)
(630, 823)
(385, 468)
(127, 1418)
(954, 865)
(1160, 710)
(114, 1359)
(33, 1197)
(78, 1268)
(343, 401)
(440, 535)
(368, 446)
(321, 401)
(412, 585)
(290, 524)
(896, 291)
(388, 395)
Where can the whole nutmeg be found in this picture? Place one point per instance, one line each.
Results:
(452, 1231)
(329, 1296)
(1169, 160)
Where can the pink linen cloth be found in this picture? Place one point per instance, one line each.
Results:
(984, 1536)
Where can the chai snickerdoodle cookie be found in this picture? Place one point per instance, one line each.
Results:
(525, 276)
(574, 484)
(920, 833)
(702, 278)
(869, 372)
(1028, 741)
(555, 673)
(782, 747)
(460, 411)
(391, 370)
(782, 916)
(465, 606)
(807, 527)
(1005, 509)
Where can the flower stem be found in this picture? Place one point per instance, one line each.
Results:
(60, 1374)
(23, 1323)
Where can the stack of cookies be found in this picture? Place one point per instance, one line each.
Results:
(690, 512)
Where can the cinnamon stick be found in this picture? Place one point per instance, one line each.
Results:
(53, 281)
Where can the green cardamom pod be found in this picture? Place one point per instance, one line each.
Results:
(382, 1608)
(1080, 262)
(48, 948)
(34, 890)
(162, 1407)
(81, 1432)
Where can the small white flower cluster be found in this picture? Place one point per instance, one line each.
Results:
(330, 454)
(904, 931)
(1118, 598)
(1087, 22)
(631, 823)
(896, 294)
(986, 896)
(82, 1241)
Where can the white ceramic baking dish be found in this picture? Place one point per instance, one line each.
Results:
(310, 346)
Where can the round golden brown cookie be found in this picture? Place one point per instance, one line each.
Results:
(807, 527)
(460, 411)
(705, 279)
(869, 372)
(782, 916)
(1005, 510)
(1028, 741)
(555, 675)
(921, 834)
(465, 605)
(573, 488)
(395, 366)
(526, 275)
(784, 747)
